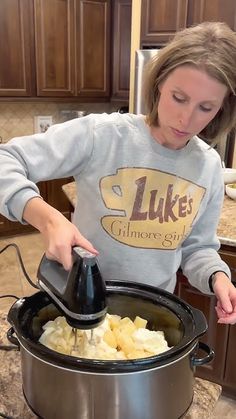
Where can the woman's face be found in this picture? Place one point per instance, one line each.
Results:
(189, 100)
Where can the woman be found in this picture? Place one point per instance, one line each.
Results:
(150, 190)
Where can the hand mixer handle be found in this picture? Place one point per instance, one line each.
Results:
(80, 292)
(52, 275)
(84, 268)
(60, 281)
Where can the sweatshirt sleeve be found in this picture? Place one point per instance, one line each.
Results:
(61, 152)
(200, 258)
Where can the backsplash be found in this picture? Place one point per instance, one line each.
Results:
(17, 118)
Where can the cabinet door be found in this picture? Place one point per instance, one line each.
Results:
(121, 49)
(161, 19)
(228, 254)
(216, 335)
(230, 371)
(5, 226)
(54, 43)
(52, 193)
(56, 197)
(93, 47)
(16, 48)
(212, 10)
(12, 228)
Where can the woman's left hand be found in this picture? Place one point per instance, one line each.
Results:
(225, 293)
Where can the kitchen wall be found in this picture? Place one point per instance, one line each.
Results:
(17, 118)
(234, 160)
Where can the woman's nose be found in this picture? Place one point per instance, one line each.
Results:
(185, 117)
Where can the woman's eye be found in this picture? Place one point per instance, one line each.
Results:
(205, 109)
(178, 98)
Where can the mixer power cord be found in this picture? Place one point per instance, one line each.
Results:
(12, 347)
(21, 262)
(2, 415)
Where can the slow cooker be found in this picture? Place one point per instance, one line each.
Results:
(58, 386)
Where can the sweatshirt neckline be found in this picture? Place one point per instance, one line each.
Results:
(159, 148)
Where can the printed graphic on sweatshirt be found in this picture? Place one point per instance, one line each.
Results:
(148, 208)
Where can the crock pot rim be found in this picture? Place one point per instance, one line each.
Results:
(112, 287)
(106, 367)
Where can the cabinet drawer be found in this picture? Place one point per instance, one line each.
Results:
(11, 228)
(4, 224)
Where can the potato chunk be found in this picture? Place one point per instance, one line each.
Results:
(110, 338)
(114, 320)
(139, 322)
(115, 339)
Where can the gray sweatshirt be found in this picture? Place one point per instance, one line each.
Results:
(146, 208)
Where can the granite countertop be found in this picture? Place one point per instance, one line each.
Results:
(226, 228)
(13, 405)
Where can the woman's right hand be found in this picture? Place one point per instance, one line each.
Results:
(59, 234)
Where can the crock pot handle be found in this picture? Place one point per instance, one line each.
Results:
(12, 338)
(196, 362)
(200, 321)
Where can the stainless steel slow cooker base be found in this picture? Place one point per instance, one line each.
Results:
(58, 386)
(58, 393)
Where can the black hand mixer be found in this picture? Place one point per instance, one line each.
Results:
(79, 293)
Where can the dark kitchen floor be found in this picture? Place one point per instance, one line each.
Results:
(12, 281)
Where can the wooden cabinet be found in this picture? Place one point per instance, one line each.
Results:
(216, 335)
(10, 228)
(72, 47)
(77, 49)
(212, 10)
(72, 61)
(228, 254)
(230, 370)
(162, 18)
(93, 27)
(76, 61)
(52, 193)
(56, 48)
(16, 48)
(222, 338)
(121, 45)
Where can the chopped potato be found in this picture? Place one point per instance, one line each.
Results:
(114, 320)
(127, 328)
(125, 320)
(137, 353)
(110, 338)
(115, 339)
(125, 343)
(139, 322)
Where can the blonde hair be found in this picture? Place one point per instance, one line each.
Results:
(210, 46)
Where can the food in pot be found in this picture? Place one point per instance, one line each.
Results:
(115, 339)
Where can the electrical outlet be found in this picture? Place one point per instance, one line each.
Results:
(42, 123)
